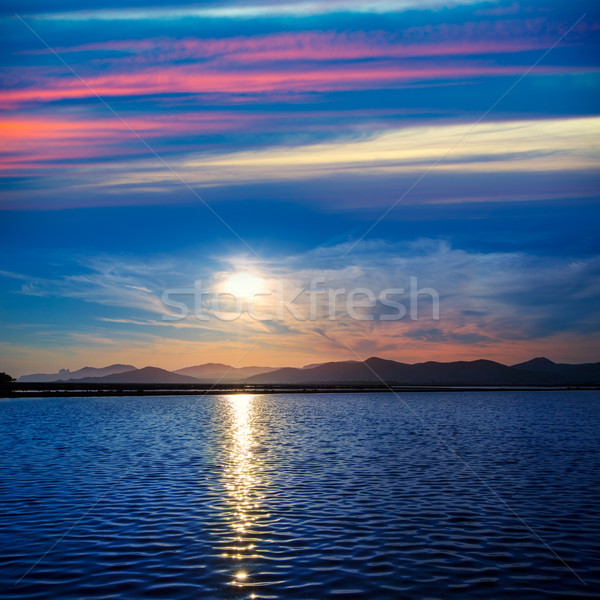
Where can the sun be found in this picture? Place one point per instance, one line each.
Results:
(244, 285)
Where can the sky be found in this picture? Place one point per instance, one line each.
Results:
(149, 154)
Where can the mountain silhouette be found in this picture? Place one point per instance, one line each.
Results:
(211, 372)
(539, 371)
(79, 374)
(145, 375)
(376, 370)
(580, 374)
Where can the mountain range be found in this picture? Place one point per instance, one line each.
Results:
(66, 374)
(211, 372)
(539, 371)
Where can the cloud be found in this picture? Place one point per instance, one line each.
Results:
(529, 146)
(57, 142)
(245, 102)
(139, 288)
(496, 304)
(260, 63)
(233, 10)
(320, 46)
(326, 336)
(486, 298)
(105, 281)
(178, 79)
(437, 335)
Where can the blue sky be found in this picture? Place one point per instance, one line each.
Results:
(146, 148)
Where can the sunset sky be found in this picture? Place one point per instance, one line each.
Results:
(355, 143)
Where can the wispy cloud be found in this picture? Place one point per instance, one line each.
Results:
(193, 80)
(320, 46)
(500, 305)
(301, 128)
(485, 297)
(106, 281)
(512, 146)
(232, 10)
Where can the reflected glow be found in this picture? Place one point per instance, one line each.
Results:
(241, 481)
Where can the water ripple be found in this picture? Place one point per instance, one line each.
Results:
(300, 496)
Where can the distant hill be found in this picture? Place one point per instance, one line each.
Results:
(539, 371)
(580, 374)
(331, 372)
(64, 374)
(145, 375)
(477, 372)
(211, 372)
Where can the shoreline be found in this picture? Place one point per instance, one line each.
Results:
(50, 390)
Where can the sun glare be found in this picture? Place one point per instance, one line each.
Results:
(244, 285)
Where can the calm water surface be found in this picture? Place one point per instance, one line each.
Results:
(316, 496)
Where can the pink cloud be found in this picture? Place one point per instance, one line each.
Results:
(441, 40)
(40, 141)
(323, 61)
(194, 79)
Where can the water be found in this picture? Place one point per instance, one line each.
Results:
(314, 496)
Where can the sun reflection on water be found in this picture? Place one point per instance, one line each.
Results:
(241, 485)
